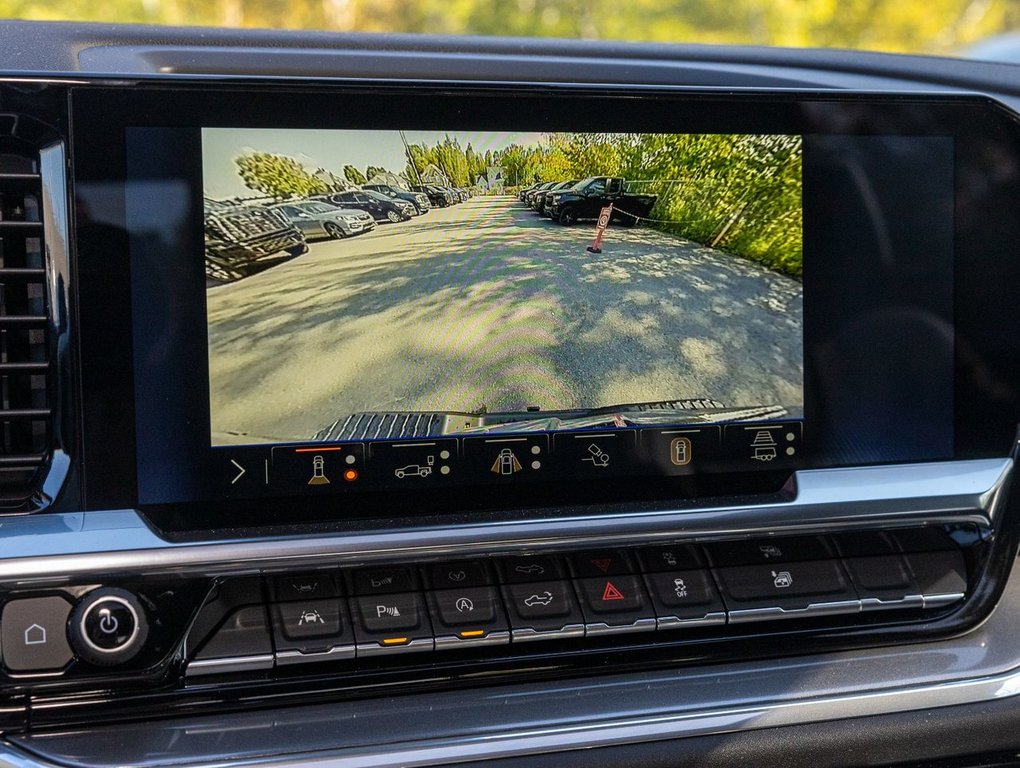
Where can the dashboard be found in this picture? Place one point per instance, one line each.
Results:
(420, 401)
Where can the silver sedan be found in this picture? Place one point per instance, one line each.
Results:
(318, 219)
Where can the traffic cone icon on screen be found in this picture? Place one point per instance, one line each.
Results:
(318, 474)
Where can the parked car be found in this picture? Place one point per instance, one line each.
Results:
(239, 239)
(381, 207)
(525, 190)
(419, 200)
(529, 196)
(454, 194)
(587, 198)
(439, 197)
(540, 201)
(318, 219)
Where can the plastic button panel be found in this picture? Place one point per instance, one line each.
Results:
(668, 589)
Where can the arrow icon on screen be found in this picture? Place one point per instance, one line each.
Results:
(240, 474)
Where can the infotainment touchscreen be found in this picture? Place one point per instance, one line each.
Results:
(402, 285)
(397, 297)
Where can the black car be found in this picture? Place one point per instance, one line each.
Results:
(587, 198)
(540, 201)
(455, 194)
(439, 197)
(525, 190)
(419, 200)
(381, 208)
(529, 196)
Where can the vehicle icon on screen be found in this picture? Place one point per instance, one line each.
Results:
(416, 470)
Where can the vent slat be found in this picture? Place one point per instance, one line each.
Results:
(25, 461)
(26, 384)
(24, 414)
(23, 321)
(24, 368)
(35, 272)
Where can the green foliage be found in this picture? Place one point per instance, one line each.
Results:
(373, 171)
(461, 165)
(738, 193)
(353, 175)
(278, 176)
(924, 26)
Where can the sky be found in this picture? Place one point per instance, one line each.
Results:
(331, 150)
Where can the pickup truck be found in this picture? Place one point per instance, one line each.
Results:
(585, 199)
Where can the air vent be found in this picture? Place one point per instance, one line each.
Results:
(26, 380)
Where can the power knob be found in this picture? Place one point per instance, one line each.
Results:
(108, 627)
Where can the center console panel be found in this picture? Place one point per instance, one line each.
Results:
(170, 544)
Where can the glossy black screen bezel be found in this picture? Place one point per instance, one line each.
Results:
(981, 129)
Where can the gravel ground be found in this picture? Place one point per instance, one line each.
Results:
(485, 304)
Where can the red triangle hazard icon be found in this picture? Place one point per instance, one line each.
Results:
(611, 593)
(603, 564)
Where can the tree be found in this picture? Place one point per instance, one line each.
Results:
(374, 170)
(333, 182)
(353, 175)
(279, 176)
(921, 26)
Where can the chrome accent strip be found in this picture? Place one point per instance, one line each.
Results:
(527, 634)
(742, 615)
(229, 664)
(452, 642)
(878, 604)
(601, 628)
(55, 549)
(56, 242)
(936, 601)
(337, 653)
(415, 645)
(675, 622)
(616, 732)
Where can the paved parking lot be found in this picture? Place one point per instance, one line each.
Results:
(485, 304)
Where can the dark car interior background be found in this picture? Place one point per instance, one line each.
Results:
(391, 400)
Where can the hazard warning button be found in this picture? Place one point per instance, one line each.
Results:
(613, 594)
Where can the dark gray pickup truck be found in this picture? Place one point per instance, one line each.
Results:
(585, 199)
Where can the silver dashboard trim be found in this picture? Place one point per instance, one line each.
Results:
(57, 549)
(336, 653)
(713, 618)
(616, 732)
(230, 664)
(771, 613)
(56, 242)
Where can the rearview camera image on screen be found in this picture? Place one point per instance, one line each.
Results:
(367, 284)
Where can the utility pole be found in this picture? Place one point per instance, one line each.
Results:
(410, 160)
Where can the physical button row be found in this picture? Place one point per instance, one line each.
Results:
(589, 593)
(334, 627)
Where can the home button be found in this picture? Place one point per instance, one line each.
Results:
(33, 634)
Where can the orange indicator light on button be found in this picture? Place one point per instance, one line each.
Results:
(395, 641)
(350, 475)
(472, 633)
